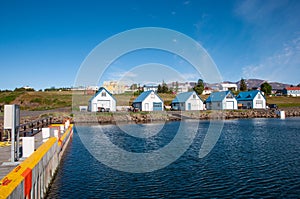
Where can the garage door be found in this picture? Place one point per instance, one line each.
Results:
(103, 103)
(157, 106)
(229, 105)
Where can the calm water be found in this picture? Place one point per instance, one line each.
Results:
(253, 158)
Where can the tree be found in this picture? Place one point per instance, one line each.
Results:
(199, 87)
(133, 86)
(164, 88)
(243, 85)
(266, 88)
(159, 88)
(176, 87)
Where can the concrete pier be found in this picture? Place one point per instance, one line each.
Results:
(31, 177)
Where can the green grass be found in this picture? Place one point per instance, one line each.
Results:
(54, 99)
(284, 101)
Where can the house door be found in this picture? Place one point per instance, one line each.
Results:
(189, 106)
(146, 106)
(229, 105)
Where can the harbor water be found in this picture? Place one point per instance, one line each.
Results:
(252, 158)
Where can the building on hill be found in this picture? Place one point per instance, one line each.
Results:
(103, 100)
(228, 86)
(148, 101)
(251, 100)
(115, 87)
(187, 101)
(223, 100)
(151, 87)
(207, 91)
(292, 91)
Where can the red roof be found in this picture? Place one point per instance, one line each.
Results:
(293, 88)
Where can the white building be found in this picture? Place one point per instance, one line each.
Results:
(148, 101)
(227, 86)
(102, 101)
(187, 101)
(251, 100)
(223, 100)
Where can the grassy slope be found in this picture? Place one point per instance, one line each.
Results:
(283, 101)
(51, 100)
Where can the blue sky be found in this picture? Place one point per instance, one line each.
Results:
(43, 43)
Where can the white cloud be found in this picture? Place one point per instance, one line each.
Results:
(190, 76)
(283, 66)
(257, 11)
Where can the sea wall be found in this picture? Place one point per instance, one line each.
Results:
(32, 177)
(118, 117)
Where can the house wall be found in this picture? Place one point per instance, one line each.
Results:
(196, 104)
(254, 104)
(214, 106)
(94, 103)
(149, 100)
(229, 100)
(246, 104)
(256, 100)
(294, 93)
(221, 105)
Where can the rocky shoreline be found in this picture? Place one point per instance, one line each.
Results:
(140, 117)
(145, 117)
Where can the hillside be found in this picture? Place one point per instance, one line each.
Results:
(39, 101)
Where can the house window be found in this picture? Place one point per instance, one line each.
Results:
(259, 96)
(259, 102)
(229, 96)
(194, 96)
(152, 95)
(219, 104)
(103, 94)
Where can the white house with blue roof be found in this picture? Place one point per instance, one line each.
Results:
(187, 101)
(103, 100)
(148, 101)
(251, 100)
(223, 100)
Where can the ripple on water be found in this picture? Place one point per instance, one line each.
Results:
(257, 158)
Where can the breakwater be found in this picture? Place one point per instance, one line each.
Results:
(32, 177)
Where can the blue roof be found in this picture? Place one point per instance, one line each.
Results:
(183, 97)
(247, 95)
(143, 96)
(218, 96)
(99, 91)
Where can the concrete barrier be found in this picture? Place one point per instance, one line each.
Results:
(32, 177)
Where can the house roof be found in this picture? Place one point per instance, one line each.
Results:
(247, 95)
(183, 97)
(99, 91)
(144, 95)
(293, 88)
(218, 96)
